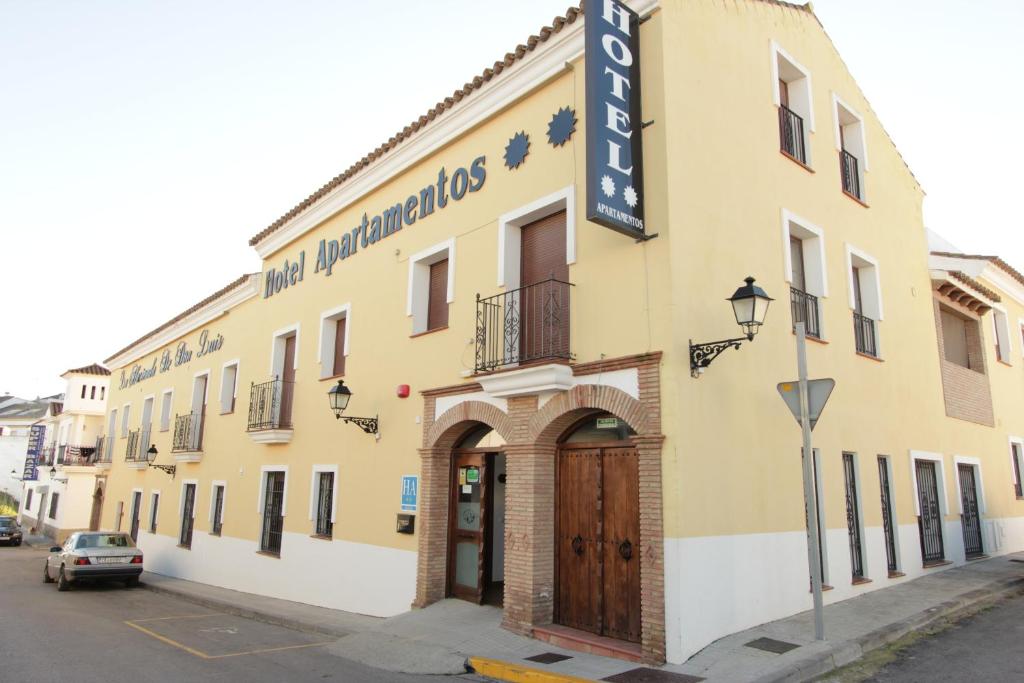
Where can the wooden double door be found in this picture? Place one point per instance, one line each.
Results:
(597, 540)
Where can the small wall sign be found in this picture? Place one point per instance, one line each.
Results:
(410, 489)
(607, 423)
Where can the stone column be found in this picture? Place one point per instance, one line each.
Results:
(432, 560)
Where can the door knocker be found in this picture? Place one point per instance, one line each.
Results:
(626, 550)
(577, 545)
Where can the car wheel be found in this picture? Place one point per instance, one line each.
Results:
(46, 573)
(62, 581)
(133, 582)
(17, 543)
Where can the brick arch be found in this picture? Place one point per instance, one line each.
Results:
(450, 425)
(559, 413)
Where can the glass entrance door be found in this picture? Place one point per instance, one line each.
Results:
(468, 526)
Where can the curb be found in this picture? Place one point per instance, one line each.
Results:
(257, 615)
(839, 654)
(515, 673)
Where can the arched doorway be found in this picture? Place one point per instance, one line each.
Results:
(476, 551)
(597, 528)
(97, 508)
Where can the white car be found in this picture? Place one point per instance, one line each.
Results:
(91, 556)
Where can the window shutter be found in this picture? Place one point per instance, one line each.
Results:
(437, 305)
(339, 346)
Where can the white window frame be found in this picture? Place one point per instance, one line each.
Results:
(1001, 325)
(812, 239)
(165, 424)
(941, 483)
(151, 399)
(226, 408)
(213, 499)
(126, 415)
(328, 332)
(206, 390)
(112, 423)
(870, 289)
(418, 295)
(277, 343)
(181, 504)
(142, 504)
(510, 232)
(314, 490)
(1020, 330)
(803, 92)
(260, 499)
(1019, 441)
(154, 506)
(846, 117)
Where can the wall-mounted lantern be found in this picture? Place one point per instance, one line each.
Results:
(750, 306)
(339, 396)
(152, 453)
(53, 473)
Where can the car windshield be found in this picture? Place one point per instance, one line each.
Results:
(104, 541)
(8, 522)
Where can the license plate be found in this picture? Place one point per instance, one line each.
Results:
(111, 560)
(4, 536)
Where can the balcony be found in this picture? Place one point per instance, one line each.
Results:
(47, 456)
(864, 335)
(804, 307)
(77, 456)
(848, 166)
(103, 452)
(187, 441)
(791, 134)
(521, 326)
(134, 453)
(270, 412)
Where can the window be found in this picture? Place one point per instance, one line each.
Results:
(853, 518)
(273, 510)
(1001, 335)
(431, 288)
(1017, 458)
(888, 529)
(850, 142)
(166, 404)
(92, 394)
(930, 504)
(53, 505)
(322, 501)
(28, 500)
(188, 514)
(83, 391)
(334, 332)
(959, 339)
(217, 508)
(103, 393)
(792, 90)
(805, 271)
(154, 506)
(228, 387)
(865, 301)
(819, 515)
(125, 414)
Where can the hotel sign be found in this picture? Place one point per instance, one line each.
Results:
(36, 435)
(615, 188)
(181, 355)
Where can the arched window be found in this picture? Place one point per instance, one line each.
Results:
(598, 427)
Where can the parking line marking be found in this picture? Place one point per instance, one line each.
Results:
(183, 616)
(269, 649)
(167, 640)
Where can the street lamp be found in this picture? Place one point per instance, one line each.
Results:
(750, 306)
(152, 453)
(339, 396)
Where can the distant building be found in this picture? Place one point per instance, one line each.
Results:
(17, 415)
(67, 495)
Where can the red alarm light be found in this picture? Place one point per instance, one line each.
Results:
(403, 391)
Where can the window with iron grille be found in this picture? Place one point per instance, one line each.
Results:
(324, 504)
(188, 514)
(865, 300)
(852, 146)
(154, 505)
(273, 513)
(53, 505)
(793, 98)
(853, 517)
(887, 523)
(1017, 455)
(218, 510)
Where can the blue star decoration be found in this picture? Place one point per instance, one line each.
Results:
(516, 150)
(562, 126)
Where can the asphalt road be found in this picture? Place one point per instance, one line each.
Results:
(106, 633)
(984, 647)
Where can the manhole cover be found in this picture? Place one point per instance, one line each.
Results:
(778, 647)
(645, 675)
(548, 658)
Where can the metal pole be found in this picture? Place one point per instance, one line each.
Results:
(810, 502)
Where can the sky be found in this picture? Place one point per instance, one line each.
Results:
(142, 143)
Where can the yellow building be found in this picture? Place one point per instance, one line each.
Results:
(533, 431)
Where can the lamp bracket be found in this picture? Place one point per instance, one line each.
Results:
(702, 354)
(169, 469)
(367, 424)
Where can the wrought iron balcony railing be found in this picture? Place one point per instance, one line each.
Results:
(47, 455)
(791, 134)
(805, 310)
(270, 405)
(102, 450)
(527, 324)
(78, 455)
(188, 433)
(864, 334)
(848, 166)
(132, 452)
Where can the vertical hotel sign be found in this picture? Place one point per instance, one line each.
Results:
(615, 188)
(36, 435)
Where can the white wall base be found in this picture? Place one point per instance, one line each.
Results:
(354, 577)
(718, 585)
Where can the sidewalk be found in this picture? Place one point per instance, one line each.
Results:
(452, 635)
